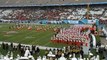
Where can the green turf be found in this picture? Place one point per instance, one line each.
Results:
(39, 38)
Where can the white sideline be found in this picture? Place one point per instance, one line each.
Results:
(41, 47)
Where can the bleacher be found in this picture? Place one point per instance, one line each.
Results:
(62, 13)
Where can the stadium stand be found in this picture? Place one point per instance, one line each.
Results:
(56, 13)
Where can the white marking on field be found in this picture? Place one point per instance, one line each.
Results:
(7, 35)
(47, 43)
(11, 32)
(41, 47)
(28, 37)
(1, 26)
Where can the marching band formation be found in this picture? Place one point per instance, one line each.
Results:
(75, 35)
(38, 28)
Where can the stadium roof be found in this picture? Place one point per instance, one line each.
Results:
(9, 3)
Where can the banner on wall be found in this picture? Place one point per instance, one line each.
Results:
(91, 21)
(73, 22)
(54, 22)
(70, 21)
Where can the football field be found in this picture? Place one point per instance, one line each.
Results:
(32, 37)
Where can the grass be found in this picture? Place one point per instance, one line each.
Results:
(39, 38)
(22, 36)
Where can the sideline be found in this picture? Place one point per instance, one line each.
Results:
(41, 47)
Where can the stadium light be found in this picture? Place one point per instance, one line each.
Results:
(76, 0)
(88, 9)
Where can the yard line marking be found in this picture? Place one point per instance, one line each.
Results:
(47, 43)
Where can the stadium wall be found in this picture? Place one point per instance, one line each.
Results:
(83, 21)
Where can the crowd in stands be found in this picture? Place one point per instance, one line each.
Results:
(55, 13)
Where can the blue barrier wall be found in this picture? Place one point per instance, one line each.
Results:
(83, 21)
